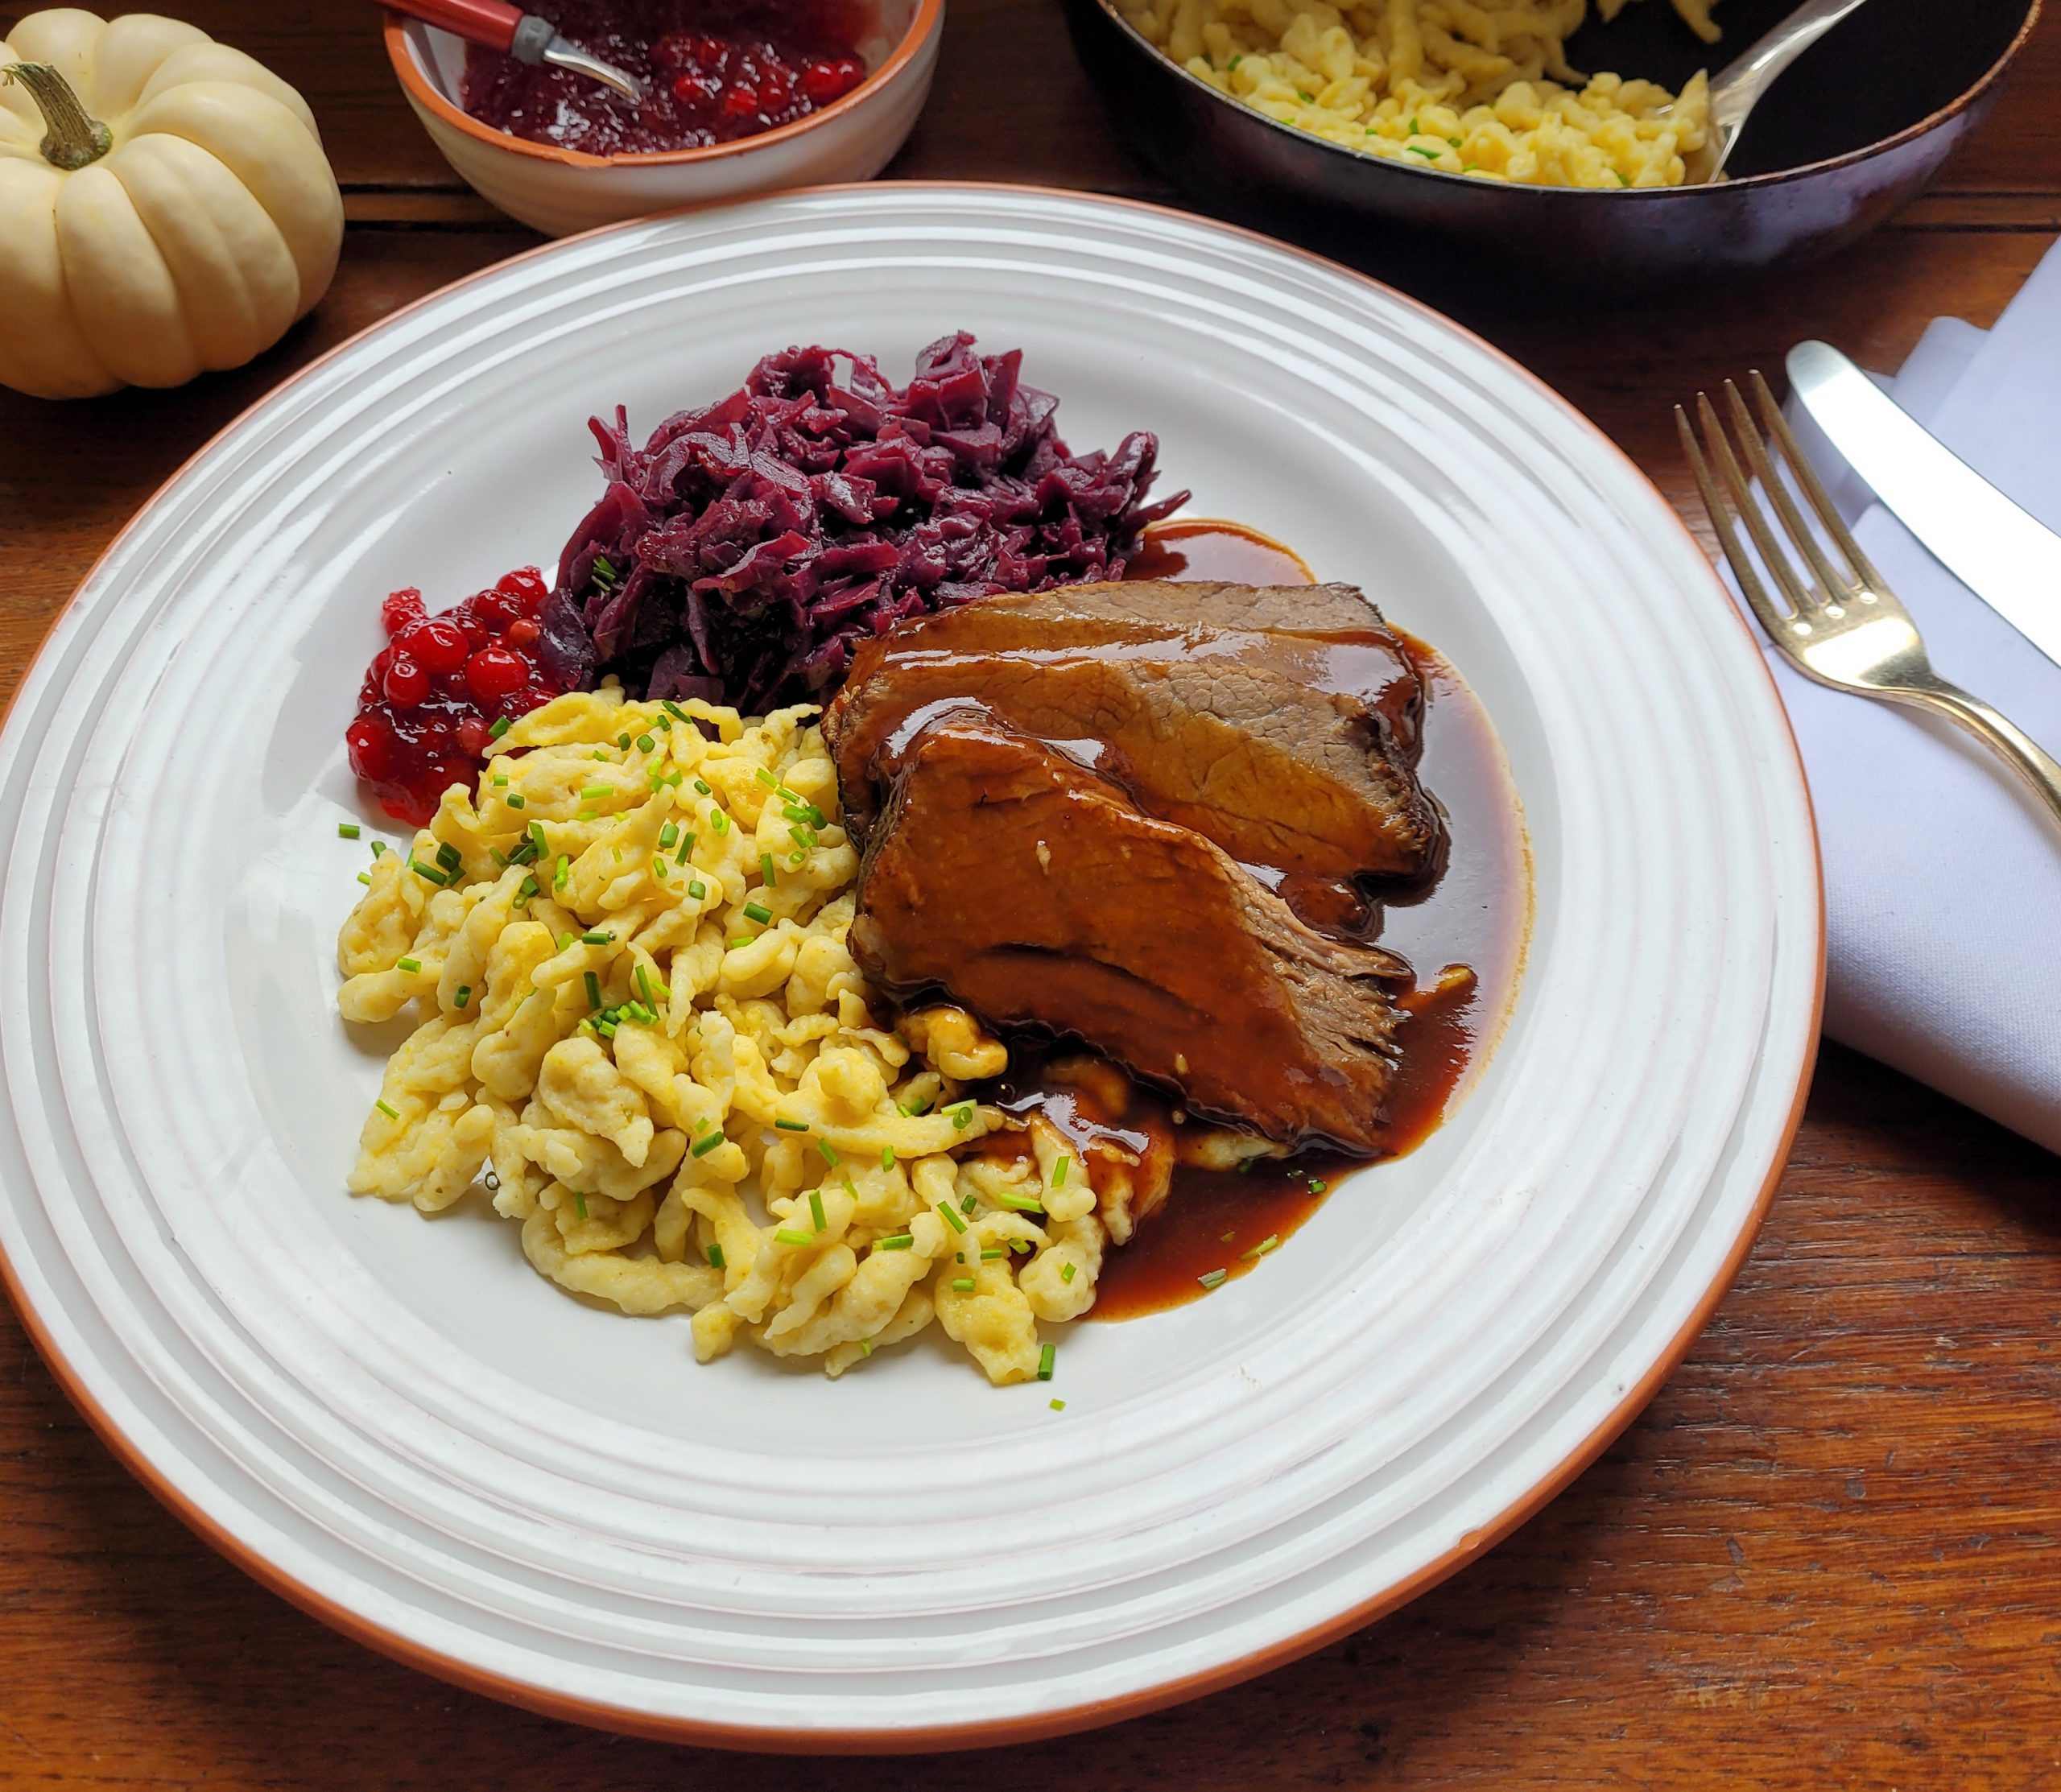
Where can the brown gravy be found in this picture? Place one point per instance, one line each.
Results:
(1473, 915)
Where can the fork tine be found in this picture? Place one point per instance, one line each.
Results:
(1772, 619)
(1772, 555)
(1836, 587)
(1813, 488)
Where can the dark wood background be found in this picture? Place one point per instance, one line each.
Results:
(1824, 1557)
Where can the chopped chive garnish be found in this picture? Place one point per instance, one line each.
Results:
(719, 821)
(593, 991)
(391, 1113)
(1066, 1272)
(792, 1126)
(664, 724)
(952, 1217)
(1057, 1406)
(766, 778)
(501, 780)
(1059, 1172)
(1271, 1242)
(782, 791)
(990, 1255)
(594, 792)
(536, 831)
(449, 858)
(379, 846)
(463, 998)
(565, 939)
(969, 1203)
(516, 800)
(564, 871)
(1020, 1204)
(962, 1284)
(701, 785)
(427, 872)
(1227, 1237)
(759, 912)
(794, 811)
(686, 846)
(660, 871)
(500, 858)
(645, 743)
(887, 1156)
(829, 1152)
(364, 877)
(622, 741)
(697, 889)
(579, 1204)
(716, 1257)
(597, 940)
(643, 984)
(587, 813)
(740, 943)
(525, 889)
(347, 830)
(409, 964)
(701, 1147)
(1215, 1278)
(865, 1347)
(901, 1242)
(816, 1210)
(787, 1235)
(673, 709)
(766, 871)
(604, 567)
(601, 752)
(1045, 1363)
(501, 726)
(1318, 1185)
(668, 836)
(962, 1116)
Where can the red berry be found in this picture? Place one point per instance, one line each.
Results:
(825, 81)
(740, 102)
(405, 683)
(473, 736)
(692, 90)
(440, 644)
(370, 742)
(523, 631)
(776, 91)
(401, 610)
(524, 582)
(494, 671)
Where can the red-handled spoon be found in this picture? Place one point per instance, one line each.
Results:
(523, 35)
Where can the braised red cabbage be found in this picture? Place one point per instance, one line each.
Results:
(748, 546)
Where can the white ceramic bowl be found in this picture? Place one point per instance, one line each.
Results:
(560, 190)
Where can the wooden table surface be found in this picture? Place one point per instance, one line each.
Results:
(1826, 1556)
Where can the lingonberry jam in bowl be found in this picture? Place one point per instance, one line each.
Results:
(444, 688)
(744, 96)
(714, 70)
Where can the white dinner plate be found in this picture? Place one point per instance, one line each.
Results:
(397, 1424)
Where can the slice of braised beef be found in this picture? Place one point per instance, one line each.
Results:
(1282, 723)
(1037, 894)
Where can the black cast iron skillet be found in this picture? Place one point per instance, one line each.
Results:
(1859, 124)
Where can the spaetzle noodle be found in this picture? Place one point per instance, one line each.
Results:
(1485, 91)
(640, 1028)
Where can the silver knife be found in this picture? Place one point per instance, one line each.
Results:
(2001, 552)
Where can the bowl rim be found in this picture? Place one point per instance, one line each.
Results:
(425, 98)
(1773, 178)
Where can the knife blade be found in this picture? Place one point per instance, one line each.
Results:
(2001, 552)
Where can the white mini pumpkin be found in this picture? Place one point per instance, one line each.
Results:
(165, 205)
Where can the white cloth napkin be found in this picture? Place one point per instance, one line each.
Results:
(1942, 878)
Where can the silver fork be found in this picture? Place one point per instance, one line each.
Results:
(1846, 630)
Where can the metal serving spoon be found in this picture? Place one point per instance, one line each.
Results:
(525, 36)
(1738, 87)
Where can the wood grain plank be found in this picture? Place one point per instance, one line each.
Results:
(1824, 1557)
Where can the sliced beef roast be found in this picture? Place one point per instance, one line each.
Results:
(1040, 895)
(1281, 723)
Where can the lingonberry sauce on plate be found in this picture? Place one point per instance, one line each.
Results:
(433, 695)
(716, 71)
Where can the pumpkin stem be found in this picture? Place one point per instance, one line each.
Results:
(73, 139)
